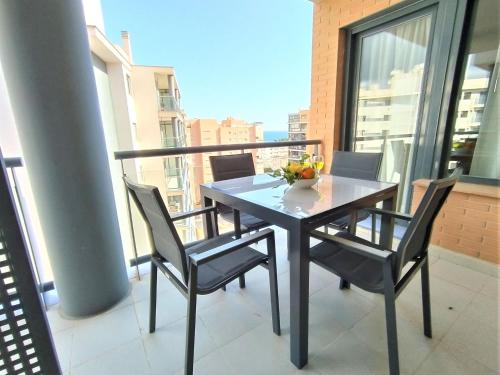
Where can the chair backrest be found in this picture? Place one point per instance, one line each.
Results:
(161, 228)
(417, 236)
(225, 167)
(361, 165)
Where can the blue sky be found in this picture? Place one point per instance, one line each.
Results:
(250, 59)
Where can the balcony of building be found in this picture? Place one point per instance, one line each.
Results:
(76, 171)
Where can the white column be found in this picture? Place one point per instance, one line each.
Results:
(46, 60)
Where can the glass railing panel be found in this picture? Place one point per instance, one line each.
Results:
(168, 104)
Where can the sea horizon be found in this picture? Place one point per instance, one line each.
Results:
(274, 135)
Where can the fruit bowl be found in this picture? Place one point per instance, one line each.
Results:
(299, 175)
(304, 183)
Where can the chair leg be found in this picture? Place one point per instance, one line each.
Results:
(374, 228)
(391, 325)
(344, 284)
(242, 281)
(273, 285)
(426, 298)
(152, 297)
(191, 323)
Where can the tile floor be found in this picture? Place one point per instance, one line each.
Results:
(347, 328)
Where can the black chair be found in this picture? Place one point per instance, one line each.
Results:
(203, 267)
(225, 167)
(363, 166)
(360, 165)
(379, 270)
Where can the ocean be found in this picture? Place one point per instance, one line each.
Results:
(274, 135)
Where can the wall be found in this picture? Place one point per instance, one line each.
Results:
(469, 222)
(327, 66)
(148, 129)
(111, 135)
(11, 147)
(93, 13)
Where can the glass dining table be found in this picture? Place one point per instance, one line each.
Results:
(299, 211)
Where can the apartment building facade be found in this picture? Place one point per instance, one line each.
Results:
(160, 124)
(297, 131)
(204, 132)
(140, 108)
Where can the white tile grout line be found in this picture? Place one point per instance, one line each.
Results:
(106, 352)
(141, 338)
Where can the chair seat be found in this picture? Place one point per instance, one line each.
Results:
(248, 222)
(359, 270)
(344, 221)
(218, 272)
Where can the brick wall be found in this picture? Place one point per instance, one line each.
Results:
(469, 222)
(327, 65)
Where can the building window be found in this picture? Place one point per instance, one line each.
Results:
(474, 144)
(167, 134)
(174, 203)
(173, 172)
(478, 116)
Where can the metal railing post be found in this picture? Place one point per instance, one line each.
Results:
(28, 237)
(131, 223)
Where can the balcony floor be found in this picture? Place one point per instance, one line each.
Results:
(346, 336)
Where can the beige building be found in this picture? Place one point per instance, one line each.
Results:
(160, 123)
(204, 132)
(140, 108)
(297, 130)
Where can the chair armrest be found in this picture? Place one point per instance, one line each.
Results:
(197, 211)
(396, 215)
(358, 248)
(217, 252)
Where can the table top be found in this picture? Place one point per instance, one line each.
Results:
(329, 193)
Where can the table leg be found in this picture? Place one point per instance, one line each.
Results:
(208, 224)
(237, 234)
(387, 222)
(299, 296)
(288, 242)
(237, 223)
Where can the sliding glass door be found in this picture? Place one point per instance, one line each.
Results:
(388, 93)
(475, 139)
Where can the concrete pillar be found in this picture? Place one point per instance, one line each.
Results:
(45, 56)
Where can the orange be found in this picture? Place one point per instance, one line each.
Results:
(308, 173)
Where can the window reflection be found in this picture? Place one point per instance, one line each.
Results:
(475, 137)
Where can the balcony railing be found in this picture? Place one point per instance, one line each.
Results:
(190, 184)
(11, 165)
(168, 103)
(143, 256)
